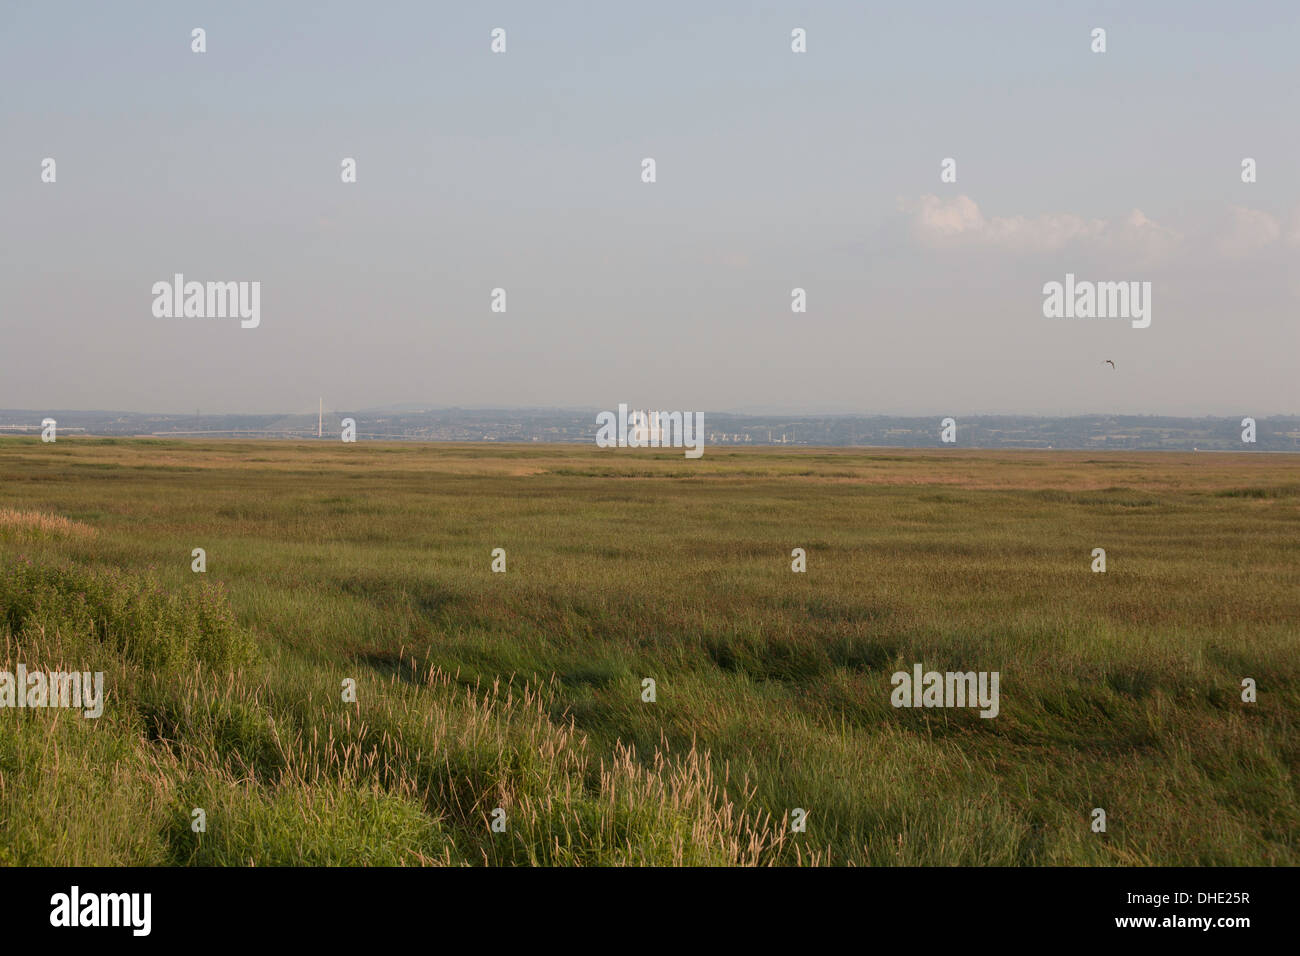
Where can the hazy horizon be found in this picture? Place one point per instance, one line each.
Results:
(775, 170)
(735, 412)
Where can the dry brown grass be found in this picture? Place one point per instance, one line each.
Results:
(972, 469)
(35, 525)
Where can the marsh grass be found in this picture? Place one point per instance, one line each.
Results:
(522, 690)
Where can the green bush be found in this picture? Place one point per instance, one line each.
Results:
(132, 613)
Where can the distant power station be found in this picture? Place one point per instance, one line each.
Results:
(646, 428)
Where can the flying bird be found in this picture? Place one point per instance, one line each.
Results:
(1110, 363)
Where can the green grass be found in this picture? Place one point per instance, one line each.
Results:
(523, 690)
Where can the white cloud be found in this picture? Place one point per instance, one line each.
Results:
(1247, 232)
(1293, 233)
(959, 221)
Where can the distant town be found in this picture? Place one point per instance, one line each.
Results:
(1277, 433)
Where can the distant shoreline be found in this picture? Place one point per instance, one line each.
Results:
(721, 430)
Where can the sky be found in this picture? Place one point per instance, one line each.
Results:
(775, 170)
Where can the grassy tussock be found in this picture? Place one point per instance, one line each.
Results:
(287, 776)
(134, 613)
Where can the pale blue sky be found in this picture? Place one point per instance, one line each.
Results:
(775, 170)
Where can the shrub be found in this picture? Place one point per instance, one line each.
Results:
(133, 613)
